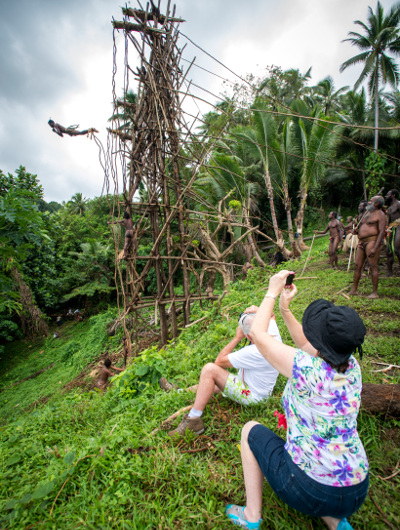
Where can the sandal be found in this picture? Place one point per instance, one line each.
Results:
(236, 514)
(344, 525)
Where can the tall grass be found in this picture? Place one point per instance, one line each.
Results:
(89, 459)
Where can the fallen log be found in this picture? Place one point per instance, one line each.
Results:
(381, 399)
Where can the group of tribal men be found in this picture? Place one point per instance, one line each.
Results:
(365, 236)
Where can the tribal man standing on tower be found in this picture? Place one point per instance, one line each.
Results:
(129, 234)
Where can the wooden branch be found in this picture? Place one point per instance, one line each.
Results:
(186, 258)
(142, 28)
(230, 248)
(393, 474)
(387, 369)
(171, 418)
(143, 16)
(197, 321)
(381, 511)
(385, 364)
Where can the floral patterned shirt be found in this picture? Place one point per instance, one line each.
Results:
(321, 407)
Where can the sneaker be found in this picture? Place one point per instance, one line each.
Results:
(236, 514)
(195, 425)
(344, 525)
(166, 386)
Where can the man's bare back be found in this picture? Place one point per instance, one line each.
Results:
(106, 373)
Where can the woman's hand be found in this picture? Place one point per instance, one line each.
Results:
(277, 282)
(287, 296)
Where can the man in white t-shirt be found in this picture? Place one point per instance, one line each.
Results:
(253, 383)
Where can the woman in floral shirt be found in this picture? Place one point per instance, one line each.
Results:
(322, 469)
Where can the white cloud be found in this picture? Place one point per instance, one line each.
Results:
(59, 65)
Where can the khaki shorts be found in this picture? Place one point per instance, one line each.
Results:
(238, 391)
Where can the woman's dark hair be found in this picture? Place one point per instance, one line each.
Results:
(126, 215)
(341, 368)
(107, 363)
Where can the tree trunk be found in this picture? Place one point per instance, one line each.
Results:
(363, 175)
(278, 233)
(381, 399)
(376, 115)
(250, 239)
(300, 218)
(288, 208)
(270, 192)
(32, 320)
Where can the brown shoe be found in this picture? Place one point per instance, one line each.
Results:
(195, 425)
(166, 386)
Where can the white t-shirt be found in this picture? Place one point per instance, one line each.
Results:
(259, 375)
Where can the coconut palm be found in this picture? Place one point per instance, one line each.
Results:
(381, 36)
(77, 204)
(282, 152)
(353, 146)
(316, 143)
(125, 109)
(283, 87)
(259, 142)
(326, 95)
(225, 181)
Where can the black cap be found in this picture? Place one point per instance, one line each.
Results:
(335, 331)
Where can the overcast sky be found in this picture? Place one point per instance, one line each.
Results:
(56, 62)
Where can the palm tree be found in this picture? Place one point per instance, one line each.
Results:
(381, 36)
(258, 141)
(125, 118)
(283, 87)
(225, 179)
(353, 147)
(282, 152)
(77, 204)
(317, 144)
(327, 96)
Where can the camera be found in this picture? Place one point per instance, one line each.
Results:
(289, 279)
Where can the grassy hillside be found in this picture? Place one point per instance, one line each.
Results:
(77, 458)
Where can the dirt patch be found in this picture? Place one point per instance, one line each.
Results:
(392, 436)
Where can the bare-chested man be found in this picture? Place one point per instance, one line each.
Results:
(393, 213)
(335, 237)
(106, 373)
(362, 210)
(371, 231)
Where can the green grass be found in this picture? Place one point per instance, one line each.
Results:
(87, 459)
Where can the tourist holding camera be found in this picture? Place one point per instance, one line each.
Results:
(322, 469)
